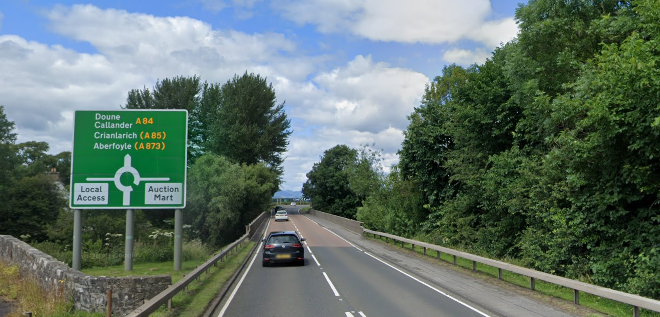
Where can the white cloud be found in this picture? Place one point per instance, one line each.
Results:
(362, 102)
(362, 96)
(427, 21)
(465, 57)
(494, 33)
(41, 85)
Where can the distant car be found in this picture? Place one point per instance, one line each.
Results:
(293, 204)
(283, 246)
(281, 215)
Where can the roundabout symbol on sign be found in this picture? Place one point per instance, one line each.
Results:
(127, 168)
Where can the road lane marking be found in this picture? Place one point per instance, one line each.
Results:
(429, 286)
(233, 293)
(362, 314)
(315, 260)
(334, 290)
(350, 314)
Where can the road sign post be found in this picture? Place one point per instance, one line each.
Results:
(129, 159)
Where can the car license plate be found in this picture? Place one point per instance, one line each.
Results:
(282, 256)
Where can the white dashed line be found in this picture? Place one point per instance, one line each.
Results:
(334, 290)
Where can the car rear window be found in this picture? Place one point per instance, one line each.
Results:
(288, 238)
(281, 212)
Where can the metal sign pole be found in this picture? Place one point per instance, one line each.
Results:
(178, 231)
(77, 239)
(128, 253)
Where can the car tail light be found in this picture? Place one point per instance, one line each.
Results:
(269, 246)
(296, 245)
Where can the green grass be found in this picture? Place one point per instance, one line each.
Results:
(27, 296)
(193, 300)
(145, 269)
(604, 305)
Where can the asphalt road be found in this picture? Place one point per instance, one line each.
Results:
(338, 279)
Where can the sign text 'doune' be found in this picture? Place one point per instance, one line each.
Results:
(129, 159)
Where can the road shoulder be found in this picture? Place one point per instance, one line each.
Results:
(497, 297)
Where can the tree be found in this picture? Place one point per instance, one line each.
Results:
(177, 93)
(328, 183)
(34, 204)
(8, 161)
(63, 166)
(366, 175)
(394, 207)
(216, 194)
(260, 186)
(249, 127)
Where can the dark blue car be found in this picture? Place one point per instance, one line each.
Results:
(283, 247)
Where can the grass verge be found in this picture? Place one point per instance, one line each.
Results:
(603, 305)
(193, 300)
(25, 295)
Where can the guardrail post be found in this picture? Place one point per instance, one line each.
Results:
(169, 304)
(474, 265)
(438, 254)
(387, 240)
(576, 297)
(635, 311)
(413, 247)
(499, 273)
(424, 250)
(532, 285)
(454, 260)
(402, 244)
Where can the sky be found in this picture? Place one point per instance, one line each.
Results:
(348, 71)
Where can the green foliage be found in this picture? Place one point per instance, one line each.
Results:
(549, 151)
(249, 127)
(239, 120)
(260, 186)
(328, 183)
(33, 204)
(394, 207)
(216, 191)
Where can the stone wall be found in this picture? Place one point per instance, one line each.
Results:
(88, 293)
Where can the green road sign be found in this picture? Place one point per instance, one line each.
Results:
(129, 159)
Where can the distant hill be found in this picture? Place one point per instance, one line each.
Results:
(288, 194)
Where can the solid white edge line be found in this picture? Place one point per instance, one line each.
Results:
(233, 293)
(334, 290)
(340, 237)
(429, 286)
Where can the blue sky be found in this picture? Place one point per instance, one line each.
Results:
(350, 71)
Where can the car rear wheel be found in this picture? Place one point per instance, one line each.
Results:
(265, 263)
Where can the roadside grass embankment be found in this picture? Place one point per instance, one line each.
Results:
(603, 305)
(26, 296)
(193, 300)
